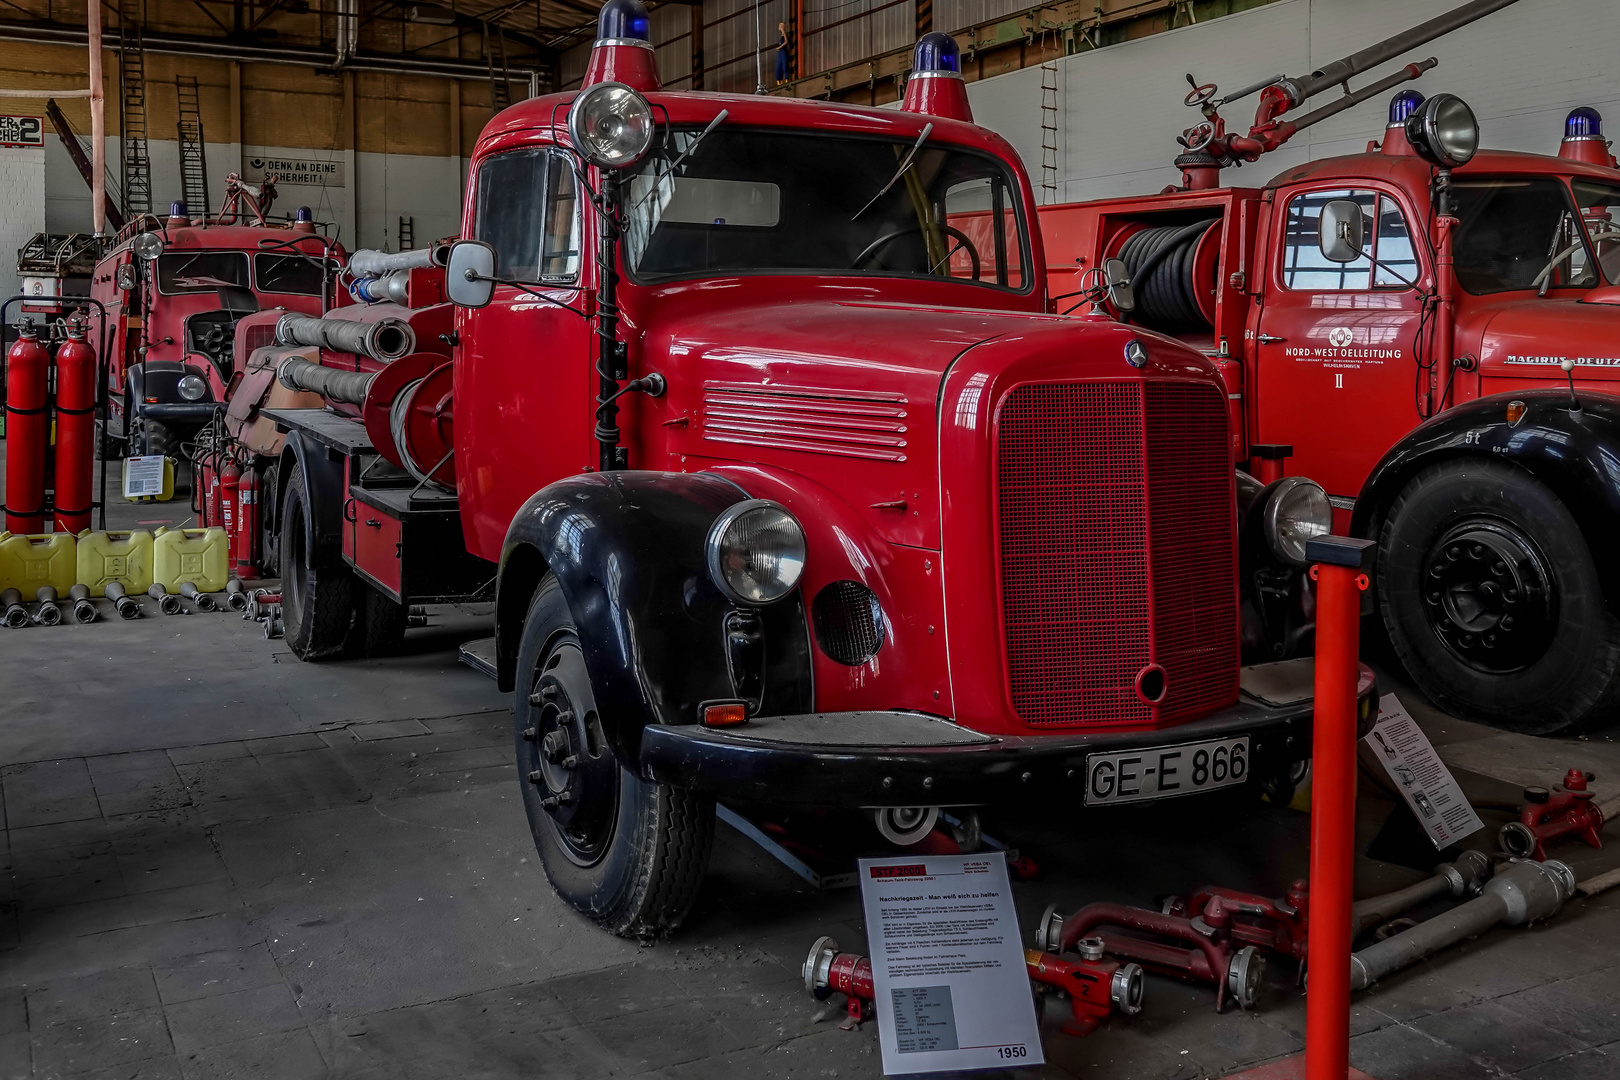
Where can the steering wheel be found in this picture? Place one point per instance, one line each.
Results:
(1544, 279)
(961, 238)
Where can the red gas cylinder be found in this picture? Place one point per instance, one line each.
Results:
(75, 428)
(244, 544)
(230, 481)
(27, 366)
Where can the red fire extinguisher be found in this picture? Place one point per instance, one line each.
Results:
(230, 479)
(245, 542)
(75, 428)
(27, 425)
(210, 507)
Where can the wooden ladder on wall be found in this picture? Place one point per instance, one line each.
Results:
(133, 160)
(193, 161)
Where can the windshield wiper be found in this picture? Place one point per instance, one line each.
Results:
(719, 118)
(905, 163)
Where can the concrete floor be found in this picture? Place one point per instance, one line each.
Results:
(224, 863)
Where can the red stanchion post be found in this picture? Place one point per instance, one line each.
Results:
(1340, 568)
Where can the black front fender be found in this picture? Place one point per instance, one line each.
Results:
(323, 484)
(1576, 452)
(627, 549)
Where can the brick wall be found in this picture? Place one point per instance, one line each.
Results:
(22, 207)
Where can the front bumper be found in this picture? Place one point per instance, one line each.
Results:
(177, 412)
(870, 759)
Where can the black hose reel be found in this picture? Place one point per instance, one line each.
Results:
(1160, 261)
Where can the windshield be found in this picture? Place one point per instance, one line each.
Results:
(200, 271)
(793, 202)
(1524, 233)
(297, 274)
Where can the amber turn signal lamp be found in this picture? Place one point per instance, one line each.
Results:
(729, 715)
(1515, 412)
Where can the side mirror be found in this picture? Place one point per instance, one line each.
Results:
(1343, 231)
(1117, 277)
(469, 276)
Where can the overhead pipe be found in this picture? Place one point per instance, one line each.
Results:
(47, 613)
(297, 56)
(16, 616)
(1525, 892)
(128, 609)
(84, 609)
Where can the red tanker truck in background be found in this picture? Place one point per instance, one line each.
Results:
(752, 417)
(1432, 333)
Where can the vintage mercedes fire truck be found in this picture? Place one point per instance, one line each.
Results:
(174, 289)
(1432, 333)
(789, 488)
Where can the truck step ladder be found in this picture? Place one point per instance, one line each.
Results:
(193, 160)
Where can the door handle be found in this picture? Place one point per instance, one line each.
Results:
(1269, 339)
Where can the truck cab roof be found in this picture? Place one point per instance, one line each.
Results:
(1413, 172)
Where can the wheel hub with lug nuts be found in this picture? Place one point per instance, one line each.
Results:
(563, 758)
(1489, 596)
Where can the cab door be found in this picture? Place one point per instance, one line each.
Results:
(524, 381)
(1334, 344)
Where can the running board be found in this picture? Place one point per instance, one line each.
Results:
(479, 654)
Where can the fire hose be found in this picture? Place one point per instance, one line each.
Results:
(1525, 892)
(385, 340)
(203, 601)
(84, 610)
(128, 609)
(1097, 987)
(1160, 261)
(48, 614)
(369, 262)
(16, 616)
(1200, 948)
(349, 387)
(1548, 815)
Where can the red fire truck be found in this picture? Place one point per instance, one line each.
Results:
(174, 289)
(791, 489)
(1431, 333)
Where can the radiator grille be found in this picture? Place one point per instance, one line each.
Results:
(1195, 634)
(856, 425)
(1115, 529)
(257, 337)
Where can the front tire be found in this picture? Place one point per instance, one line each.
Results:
(626, 852)
(317, 605)
(1493, 602)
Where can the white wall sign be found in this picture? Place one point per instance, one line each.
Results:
(22, 131)
(948, 969)
(291, 170)
(1424, 781)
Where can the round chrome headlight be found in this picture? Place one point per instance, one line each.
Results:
(192, 387)
(755, 552)
(1297, 512)
(1444, 131)
(148, 246)
(611, 125)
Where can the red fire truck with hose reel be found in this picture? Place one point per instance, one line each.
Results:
(792, 489)
(1428, 330)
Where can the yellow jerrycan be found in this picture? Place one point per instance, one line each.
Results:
(29, 561)
(200, 556)
(124, 557)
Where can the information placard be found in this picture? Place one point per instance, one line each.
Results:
(948, 969)
(1424, 781)
(143, 476)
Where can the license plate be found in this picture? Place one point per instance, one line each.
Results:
(1166, 771)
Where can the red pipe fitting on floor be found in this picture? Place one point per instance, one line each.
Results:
(1274, 926)
(1202, 950)
(1548, 815)
(1097, 986)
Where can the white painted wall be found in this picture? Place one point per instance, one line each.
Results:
(1522, 69)
(22, 207)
